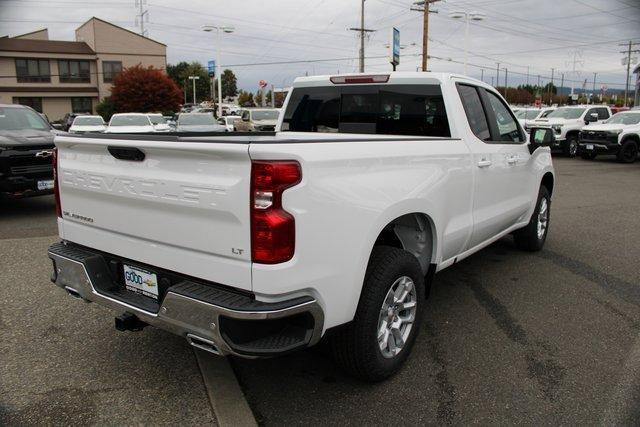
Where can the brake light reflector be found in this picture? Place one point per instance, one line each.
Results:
(272, 228)
(373, 78)
(56, 187)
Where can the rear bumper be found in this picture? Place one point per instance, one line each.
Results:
(209, 316)
(20, 186)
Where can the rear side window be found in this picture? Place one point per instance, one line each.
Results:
(377, 109)
(474, 111)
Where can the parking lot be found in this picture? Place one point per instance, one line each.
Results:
(510, 337)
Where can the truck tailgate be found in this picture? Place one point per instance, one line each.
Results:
(184, 207)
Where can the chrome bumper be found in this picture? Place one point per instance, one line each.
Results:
(198, 321)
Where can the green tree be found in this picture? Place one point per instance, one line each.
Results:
(106, 109)
(180, 73)
(229, 84)
(245, 99)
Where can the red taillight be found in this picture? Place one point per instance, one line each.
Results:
(56, 187)
(273, 230)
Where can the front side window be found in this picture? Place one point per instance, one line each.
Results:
(74, 71)
(33, 102)
(32, 70)
(507, 127)
(376, 109)
(110, 69)
(81, 105)
(474, 112)
(603, 113)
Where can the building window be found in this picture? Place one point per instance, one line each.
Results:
(81, 105)
(110, 69)
(72, 71)
(35, 103)
(32, 70)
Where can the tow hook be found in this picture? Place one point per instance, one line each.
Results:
(129, 322)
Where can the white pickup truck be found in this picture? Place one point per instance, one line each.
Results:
(332, 226)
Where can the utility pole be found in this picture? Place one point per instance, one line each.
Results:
(362, 30)
(628, 52)
(551, 85)
(423, 6)
(491, 80)
(562, 81)
(594, 88)
(143, 14)
(527, 75)
(506, 73)
(497, 73)
(482, 74)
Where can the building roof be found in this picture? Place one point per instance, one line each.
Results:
(44, 46)
(120, 28)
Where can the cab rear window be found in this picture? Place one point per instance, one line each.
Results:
(374, 109)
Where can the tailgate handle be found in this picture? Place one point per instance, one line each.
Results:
(127, 153)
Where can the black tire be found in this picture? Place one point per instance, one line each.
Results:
(570, 148)
(527, 238)
(589, 155)
(355, 346)
(628, 152)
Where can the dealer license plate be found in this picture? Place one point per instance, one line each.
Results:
(45, 185)
(589, 146)
(141, 281)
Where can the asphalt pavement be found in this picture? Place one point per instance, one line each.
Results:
(509, 337)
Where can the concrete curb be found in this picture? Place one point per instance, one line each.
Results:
(229, 404)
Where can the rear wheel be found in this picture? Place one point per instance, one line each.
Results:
(571, 146)
(379, 339)
(628, 152)
(532, 237)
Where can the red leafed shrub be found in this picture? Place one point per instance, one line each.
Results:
(142, 90)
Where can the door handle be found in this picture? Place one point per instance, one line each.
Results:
(512, 160)
(484, 163)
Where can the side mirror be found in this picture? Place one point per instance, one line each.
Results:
(540, 137)
(593, 117)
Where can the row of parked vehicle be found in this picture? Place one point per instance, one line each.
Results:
(588, 130)
(249, 120)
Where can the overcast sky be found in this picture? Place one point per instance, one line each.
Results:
(538, 34)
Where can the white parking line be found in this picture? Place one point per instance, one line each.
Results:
(226, 397)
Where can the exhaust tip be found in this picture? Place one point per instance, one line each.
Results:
(202, 344)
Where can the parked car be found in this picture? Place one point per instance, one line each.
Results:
(159, 122)
(527, 115)
(198, 122)
(83, 124)
(26, 147)
(258, 246)
(567, 122)
(228, 122)
(620, 136)
(68, 119)
(130, 123)
(257, 120)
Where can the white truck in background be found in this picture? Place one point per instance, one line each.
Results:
(332, 226)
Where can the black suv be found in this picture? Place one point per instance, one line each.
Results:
(26, 147)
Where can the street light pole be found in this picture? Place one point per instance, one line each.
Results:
(474, 16)
(193, 79)
(225, 29)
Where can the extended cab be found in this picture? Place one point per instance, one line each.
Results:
(567, 122)
(620, 136)
(26, 147)
(332, 226)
